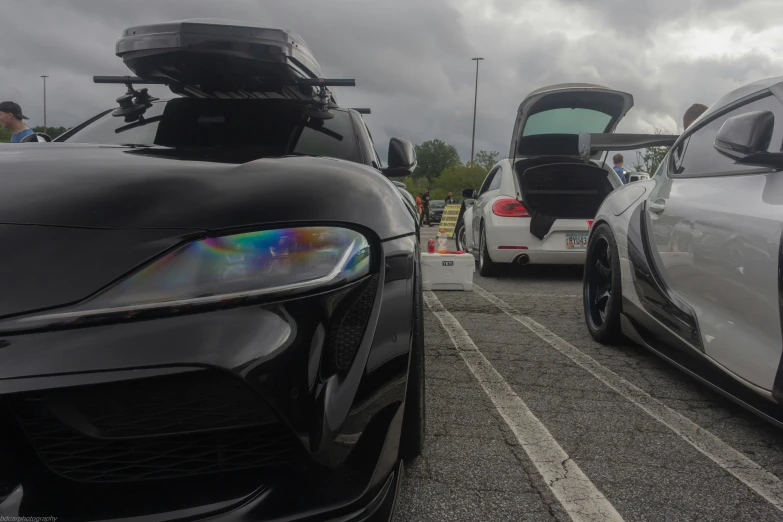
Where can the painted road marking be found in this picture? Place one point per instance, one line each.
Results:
(764, 483)
(578, 495)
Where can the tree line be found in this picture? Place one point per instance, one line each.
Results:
(441, 170)
(648, 160)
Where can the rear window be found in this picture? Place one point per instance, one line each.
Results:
(566, 121)
(268, 127)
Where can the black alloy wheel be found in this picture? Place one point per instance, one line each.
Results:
(602, 286)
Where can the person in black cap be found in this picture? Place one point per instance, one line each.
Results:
(11, 118)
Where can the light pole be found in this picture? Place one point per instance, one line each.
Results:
(475, 100)
(44, 79)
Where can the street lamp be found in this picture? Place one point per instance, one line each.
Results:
(475, 100)
(44, 81)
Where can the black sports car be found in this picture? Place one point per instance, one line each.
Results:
(211, 306)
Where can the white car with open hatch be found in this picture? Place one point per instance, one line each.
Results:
(537, 205)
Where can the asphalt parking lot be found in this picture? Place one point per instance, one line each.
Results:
(529, 419)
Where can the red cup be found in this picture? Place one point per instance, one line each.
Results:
(431, 246)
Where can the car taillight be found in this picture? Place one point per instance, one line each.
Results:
(509, 207)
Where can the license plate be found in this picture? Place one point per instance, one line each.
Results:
(576, 240)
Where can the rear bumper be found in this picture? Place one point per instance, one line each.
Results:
(539, 257)
(508, 239)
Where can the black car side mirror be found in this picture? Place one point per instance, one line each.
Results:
(469, 193)
(745, 134)
(36, 137)
(402, 158)
(746, 138)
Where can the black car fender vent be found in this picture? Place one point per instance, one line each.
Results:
(347, 330)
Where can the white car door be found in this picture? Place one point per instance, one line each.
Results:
(716, 231)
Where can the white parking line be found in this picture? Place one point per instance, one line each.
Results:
(748, 472)
(577, 494)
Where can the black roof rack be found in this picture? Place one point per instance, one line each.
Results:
(134, 103)
(127, 80)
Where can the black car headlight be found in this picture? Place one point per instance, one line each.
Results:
(225, 269)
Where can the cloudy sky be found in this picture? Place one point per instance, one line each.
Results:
(412, 58)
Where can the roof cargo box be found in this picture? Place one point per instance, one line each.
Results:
(193, 56)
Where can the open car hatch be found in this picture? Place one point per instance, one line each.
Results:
(550, 119)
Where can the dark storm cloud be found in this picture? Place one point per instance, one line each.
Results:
(404, 55)
(642, 18)
(411, 59)
(645, 58)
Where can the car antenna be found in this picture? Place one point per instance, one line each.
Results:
(363, 111)
(133, 104)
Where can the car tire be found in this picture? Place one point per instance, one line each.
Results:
(460, 237)
(602, 287)
(487, 267)
(414, 417)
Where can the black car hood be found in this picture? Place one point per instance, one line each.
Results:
(114, 187)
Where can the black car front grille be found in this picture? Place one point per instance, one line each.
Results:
(159, 428)
(194, 401)
(347, 330)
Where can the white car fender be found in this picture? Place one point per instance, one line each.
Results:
(616, 211)
(467, 219)
(618, 207)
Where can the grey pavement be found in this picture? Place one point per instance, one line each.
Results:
(473, 467)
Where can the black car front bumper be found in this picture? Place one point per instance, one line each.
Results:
(249, 413)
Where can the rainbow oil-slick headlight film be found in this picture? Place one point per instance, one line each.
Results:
(251, 263)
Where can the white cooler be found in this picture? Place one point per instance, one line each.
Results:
(447, 271)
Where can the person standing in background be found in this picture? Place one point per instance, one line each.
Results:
(11, 118)
(692, 114)
(618, 167)
(418, 205)
(449, 199)
(425, 210)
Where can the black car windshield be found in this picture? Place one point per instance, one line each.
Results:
(269, 127)
(437, 204)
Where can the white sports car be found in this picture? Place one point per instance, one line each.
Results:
(689, 264)
(537, 205)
